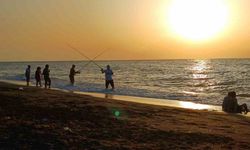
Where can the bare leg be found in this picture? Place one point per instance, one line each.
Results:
(46, 82)
(49, 83)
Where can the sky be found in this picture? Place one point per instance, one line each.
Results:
(40, 30)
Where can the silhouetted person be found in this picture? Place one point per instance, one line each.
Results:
(38, 75)
(46, 73)
(108, 77)
(27, 75)
(230, 104)
(72, 74)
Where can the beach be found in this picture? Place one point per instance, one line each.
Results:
(35, 118)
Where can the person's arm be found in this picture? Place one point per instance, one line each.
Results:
(76, 72)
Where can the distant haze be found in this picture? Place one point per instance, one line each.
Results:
(128, 29)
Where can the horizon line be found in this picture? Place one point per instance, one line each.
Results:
(18, 61)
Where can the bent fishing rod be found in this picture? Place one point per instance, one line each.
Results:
(90, 60)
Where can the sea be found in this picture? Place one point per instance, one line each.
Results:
(199, 81)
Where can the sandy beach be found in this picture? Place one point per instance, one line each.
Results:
(34, 118)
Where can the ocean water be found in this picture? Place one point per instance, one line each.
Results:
(200, 81)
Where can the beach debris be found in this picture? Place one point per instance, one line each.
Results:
(67, 129)
(20, 89)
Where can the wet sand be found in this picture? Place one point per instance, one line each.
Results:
(154, 101)
(34, 118)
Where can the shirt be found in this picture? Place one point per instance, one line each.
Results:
(108, 74)
(230, 104)
(38, 75)
(72, 72)
(46, 72)
(27, 73)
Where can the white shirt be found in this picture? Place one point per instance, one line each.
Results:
(108, 74)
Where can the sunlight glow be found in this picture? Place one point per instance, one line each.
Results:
(191, 105)
(198, 20)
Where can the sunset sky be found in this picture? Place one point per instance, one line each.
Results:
(128, 29)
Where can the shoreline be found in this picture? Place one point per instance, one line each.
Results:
(136, 99)
(33, 118)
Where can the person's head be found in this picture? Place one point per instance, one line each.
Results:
(73, 66)
(38, 68)
(232, 94)
(108, 66)
(28, 66)
(46, 66)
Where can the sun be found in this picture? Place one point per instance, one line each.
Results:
(198, 20)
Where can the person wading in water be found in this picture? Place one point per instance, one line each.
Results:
(72, 74)
(108, 77)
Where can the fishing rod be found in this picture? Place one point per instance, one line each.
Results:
(79, 52)
(92, 60)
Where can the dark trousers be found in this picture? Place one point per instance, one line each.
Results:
(38, 82)
(72, 79)
(47, 82)
(111, 82)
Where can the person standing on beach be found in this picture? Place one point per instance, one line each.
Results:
(230, 104)
(108, 77)
(46, 73)
(38, 75)
(27, 75)
(72, 74)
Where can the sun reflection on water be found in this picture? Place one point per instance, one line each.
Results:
(199, 75)
(200, 65)
(199, 69)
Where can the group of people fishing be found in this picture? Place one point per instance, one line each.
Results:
(230, 102)
(46, 75)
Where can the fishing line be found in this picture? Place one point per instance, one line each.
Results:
(92, 60)
(79, 52)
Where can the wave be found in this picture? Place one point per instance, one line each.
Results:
(19, 77)
(243, 95)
